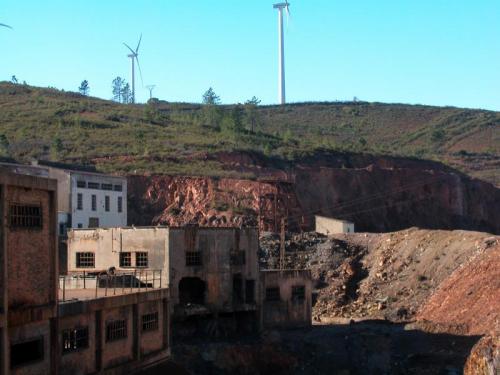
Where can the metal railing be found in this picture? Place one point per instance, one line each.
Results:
(84, 285)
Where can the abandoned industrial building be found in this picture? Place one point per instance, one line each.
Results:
(46, 328)
(209, 271)
(126, 290)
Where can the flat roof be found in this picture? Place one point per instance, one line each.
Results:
(158, 227)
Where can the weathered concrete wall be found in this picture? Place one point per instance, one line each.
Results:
(287, 311)
(30, 253)
(82, 361)
(29, 332)
(152, 341)
(216, 270)
(120, 351)
(107, 244)
(328, 226)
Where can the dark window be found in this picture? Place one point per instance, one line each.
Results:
(80, 225)
(62, 229)
(106, 202)
(120, 204)
(74, 339)
(193, 258)
(85, 260)
(237, 289)
(273, 294)
(26, 352)
(125, 259)
(249, 291)
(116, 330)
(93, 222)
(237, 257)
(118, 188)
(81, 184)
(150, 322)
(94, 202)
(79, 201)
(298, 293)
(141, 259)
(93, 185)
(107, 186)
(25, 216)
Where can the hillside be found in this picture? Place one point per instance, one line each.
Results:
(175, 138)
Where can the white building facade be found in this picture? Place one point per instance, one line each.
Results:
(97, 201)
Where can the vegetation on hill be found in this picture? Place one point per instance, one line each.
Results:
(177, 138)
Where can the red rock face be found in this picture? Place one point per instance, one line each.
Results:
(376, 194)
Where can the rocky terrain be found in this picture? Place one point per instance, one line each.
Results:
(447, 277)
(378, 194)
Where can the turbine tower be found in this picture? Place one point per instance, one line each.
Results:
(281, 66)
(134, 56)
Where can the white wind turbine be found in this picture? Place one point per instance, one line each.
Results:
(134, 56)
(281, 82)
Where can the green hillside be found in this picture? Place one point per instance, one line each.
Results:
(176, 138)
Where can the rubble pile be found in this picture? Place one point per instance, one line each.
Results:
(375, 275)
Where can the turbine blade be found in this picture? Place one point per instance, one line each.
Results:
(140, 71)
(131, 50)
(138, 44)
(4, 25)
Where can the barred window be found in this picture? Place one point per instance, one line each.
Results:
(116, 330)
(193, 258)
(238, 257)
(273, 294)
(25, 216)
(106, 202)
(94, 202)
(74, 339)
(141, 259)
(81, 184)
(93, 185)
(120, 204)
(125, 259)
(298, 293)
(79, 201)
(107, 186)
(118, 188)
(93, 222)
(150, 322)
(85, 260)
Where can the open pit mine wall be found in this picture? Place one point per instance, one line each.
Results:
(375, 198)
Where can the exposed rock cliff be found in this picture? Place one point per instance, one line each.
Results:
(378, 194)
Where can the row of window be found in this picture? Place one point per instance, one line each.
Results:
(87, 259)
(97, 186)
(274, 294)
(93, 203)
(76, 339)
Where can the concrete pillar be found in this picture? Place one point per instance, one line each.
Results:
(98, 341)
(166, 324)
(136, 333)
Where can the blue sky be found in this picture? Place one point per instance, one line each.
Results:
(439, 52)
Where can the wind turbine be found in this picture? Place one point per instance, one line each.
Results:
(150, 88)
(134, 56)
(281, 77)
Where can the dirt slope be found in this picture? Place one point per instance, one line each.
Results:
(471, 295)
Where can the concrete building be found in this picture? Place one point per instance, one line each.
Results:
(28, 297)
(327, 225)
(86, 199)
(46, 328)
(287, 298)
(208, 270)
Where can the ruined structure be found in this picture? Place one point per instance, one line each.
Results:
(286, 296)
(211, 272)
(46, 328)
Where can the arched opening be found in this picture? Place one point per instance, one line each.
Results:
(192, 290)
